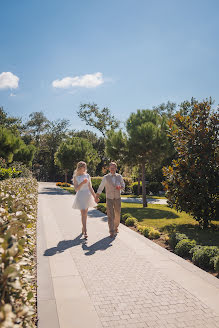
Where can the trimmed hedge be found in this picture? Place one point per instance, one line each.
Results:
(175, 237)
(204, 256)
(184, 246)
(130, 222)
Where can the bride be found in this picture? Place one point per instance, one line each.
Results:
(85, 196)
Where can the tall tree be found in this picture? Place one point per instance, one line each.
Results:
(73, 150)
(192, 179)
(144, 142)
(37, 124)
(9, 144)
(98, 144)
(101, 119)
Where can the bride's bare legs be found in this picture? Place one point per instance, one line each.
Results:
(84, 221)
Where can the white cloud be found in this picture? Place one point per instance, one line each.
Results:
(8, 80)
(12, 94)
(84, 81)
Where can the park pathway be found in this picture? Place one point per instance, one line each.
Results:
(125, 282)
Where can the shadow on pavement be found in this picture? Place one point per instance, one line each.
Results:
(100, 245)
(63, 245)
(53, 191)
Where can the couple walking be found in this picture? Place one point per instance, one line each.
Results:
(86, 197)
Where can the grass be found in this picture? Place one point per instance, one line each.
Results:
(167, 220)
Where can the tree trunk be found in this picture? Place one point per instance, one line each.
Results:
(144, 199)
(66, 176)
(139, 184)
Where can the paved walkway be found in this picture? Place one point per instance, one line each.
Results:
(126, 282)
(149, 200)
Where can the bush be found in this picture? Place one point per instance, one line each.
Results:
(130, 222)
(194, 249)
(134, 188)
(63, 184)
(101, 208)
(102, 198)
(9, 173)
(146, 231)
(140, 228)
(125, 216)
(203, 257)
(128, 185)
(96, 181)
(154, 234)
(216, 264)
(25, 172)
(155, 187)
(184, 246)
(175, 237)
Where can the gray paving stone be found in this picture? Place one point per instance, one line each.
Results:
(124, 282)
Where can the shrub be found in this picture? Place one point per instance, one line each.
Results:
(216, 264)
(128, 185)
(95, 181)
(146, 231)
(63, 184)
(140, 228)
(9, 173)
(101, 208)
(102, 198)
(194, 249)
(155, 187)
(131, 221)
(184, 246)
(134, 188)
(19, 166)
(203, 256)
(175, 237)
(125, 216)
(154, 234)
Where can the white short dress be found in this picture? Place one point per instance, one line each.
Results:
(83, 198)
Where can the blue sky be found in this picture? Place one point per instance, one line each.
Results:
(145, 53)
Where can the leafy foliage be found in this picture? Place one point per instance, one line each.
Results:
(18, 198)
(192, 179)
(9, 173)
(74, 150)
(131, 221)
(204, 256)
(102, 120)
(176, 237)
(184, 246)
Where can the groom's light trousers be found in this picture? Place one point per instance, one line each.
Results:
(113, 213)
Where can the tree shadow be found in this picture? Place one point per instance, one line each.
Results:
(63, 245)
(52, 191)
(208, 237)
(95, 213)
(100, 245)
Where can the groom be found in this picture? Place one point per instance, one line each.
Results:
(113, 183)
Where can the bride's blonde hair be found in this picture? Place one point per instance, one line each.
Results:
(79, 166)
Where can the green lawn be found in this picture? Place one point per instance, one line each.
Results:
(166, 219)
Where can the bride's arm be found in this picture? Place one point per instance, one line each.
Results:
(78, 186)
(91, 188)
